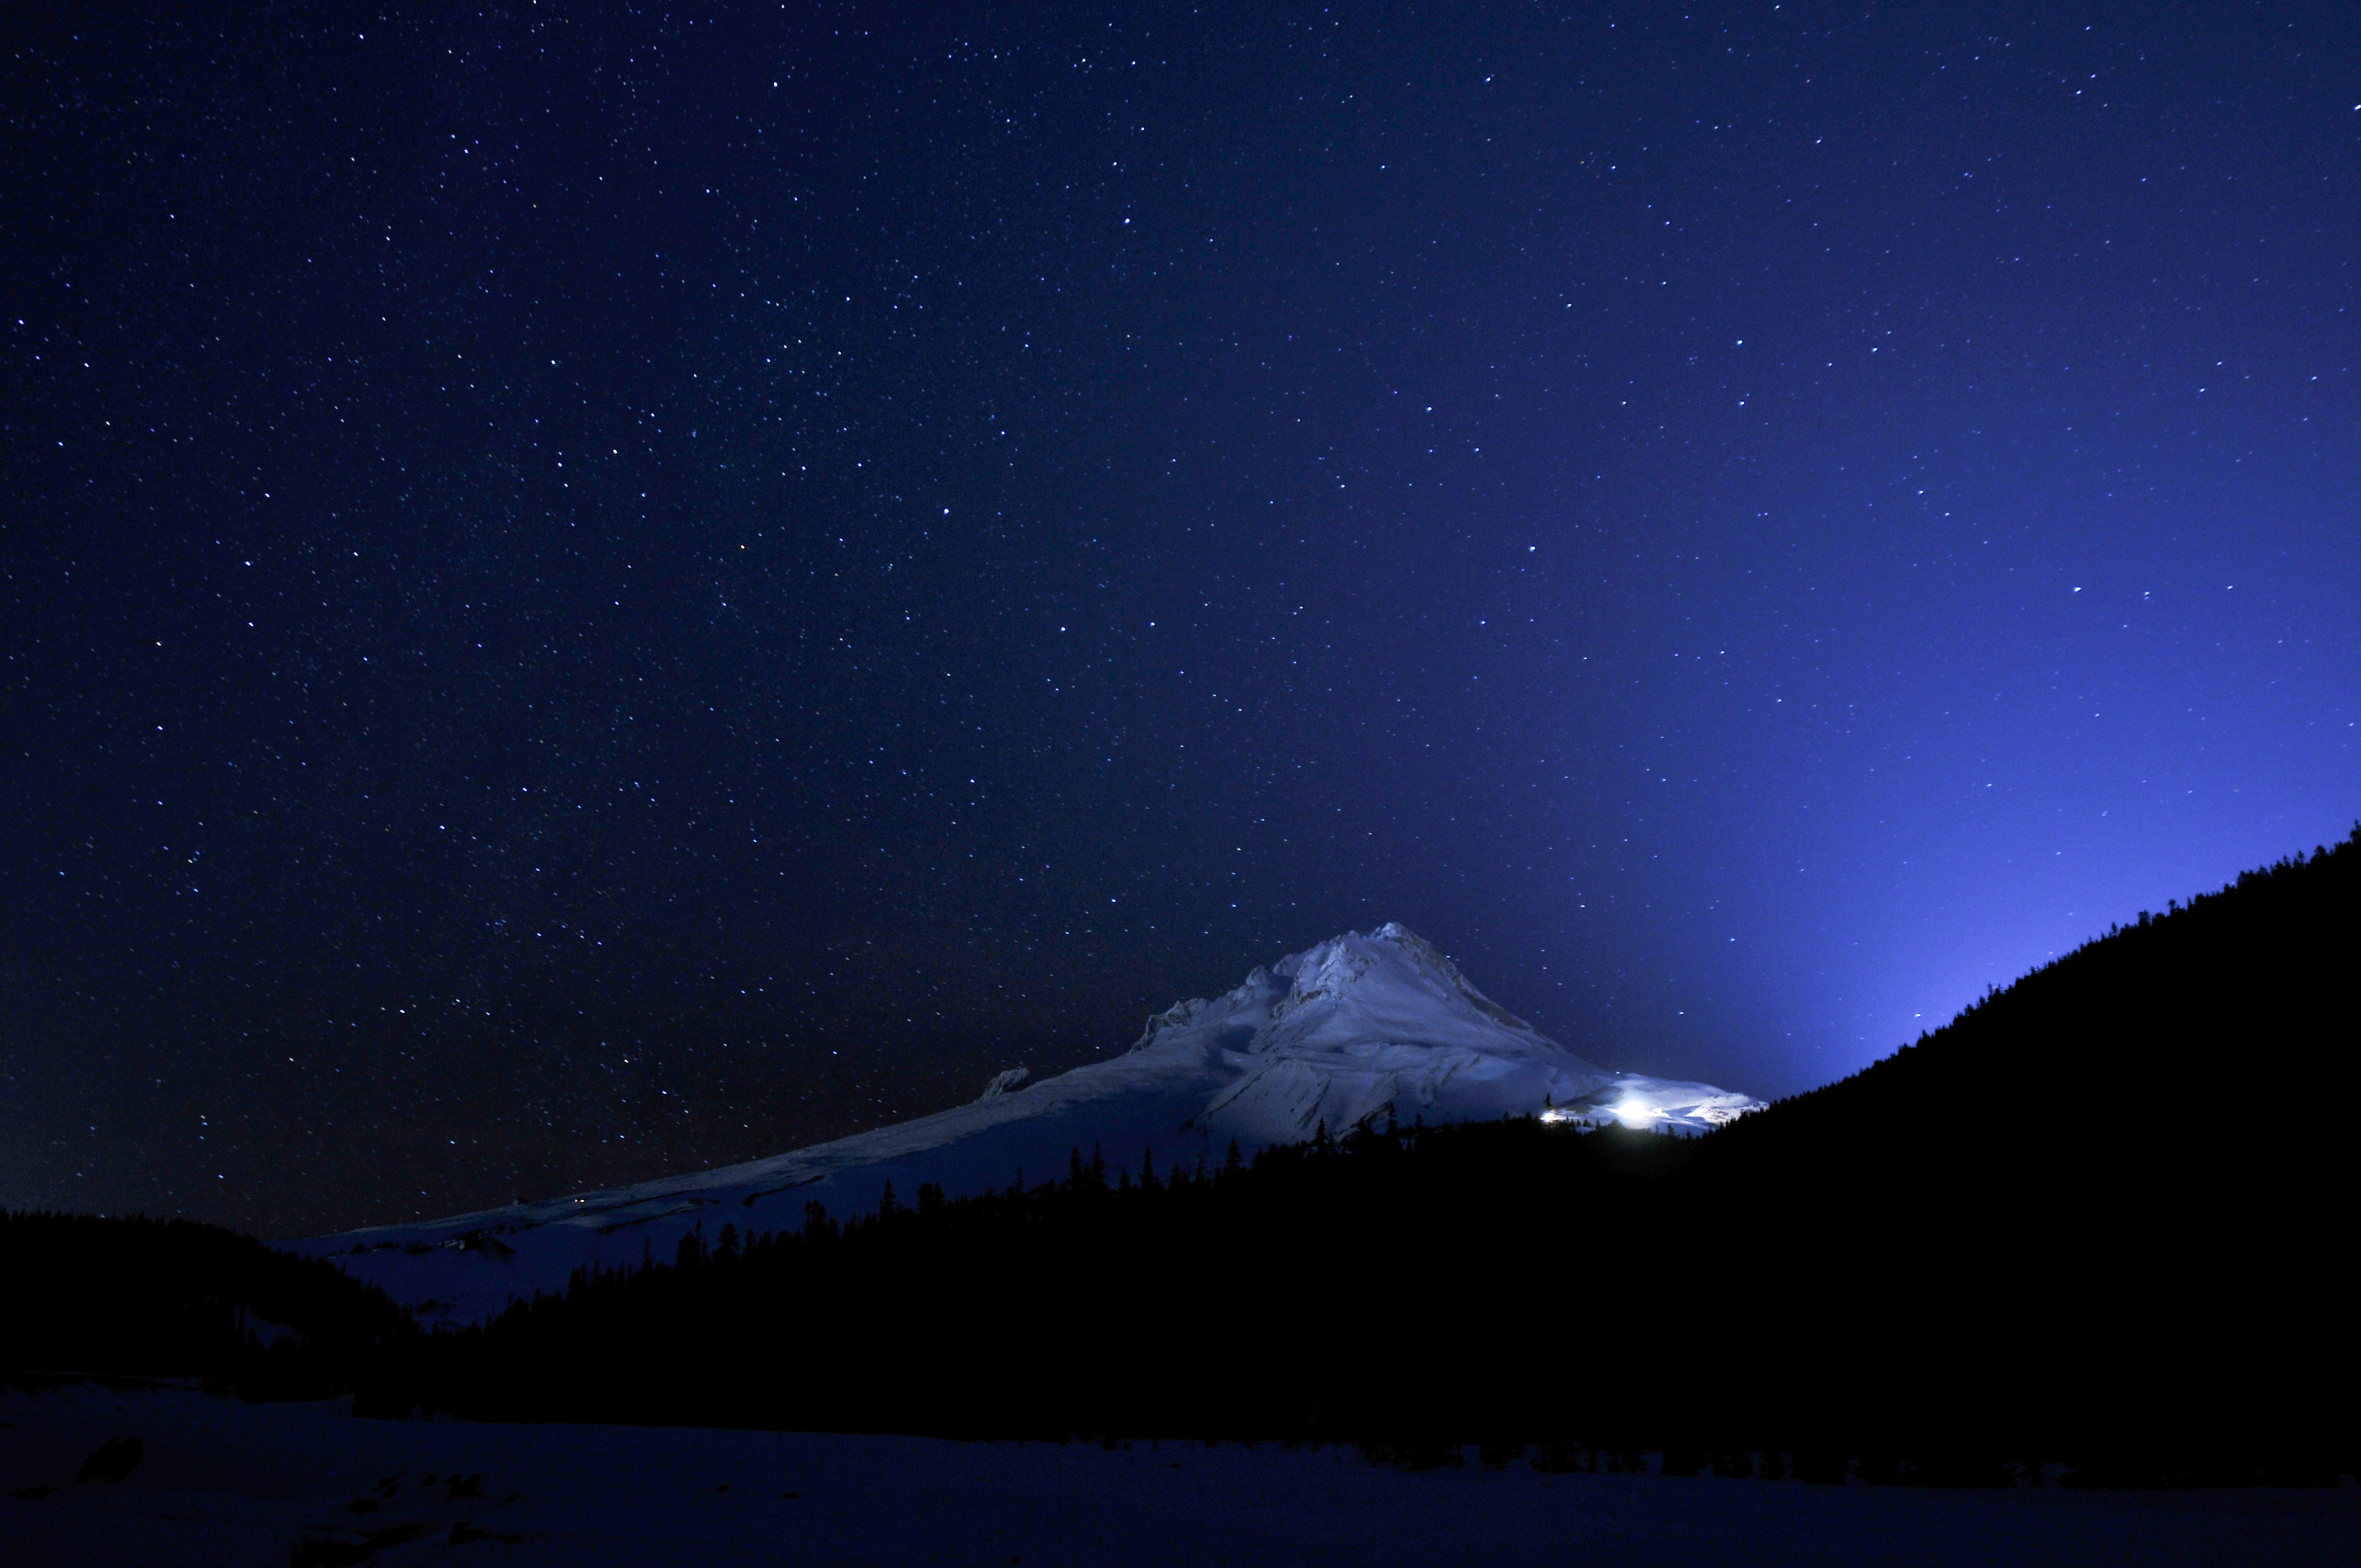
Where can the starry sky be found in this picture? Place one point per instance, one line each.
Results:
(591, 590)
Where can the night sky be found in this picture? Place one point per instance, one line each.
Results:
(591, 590)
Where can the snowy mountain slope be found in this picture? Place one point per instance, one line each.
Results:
(1351, 1032)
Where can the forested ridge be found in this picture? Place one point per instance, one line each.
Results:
(128, 1295)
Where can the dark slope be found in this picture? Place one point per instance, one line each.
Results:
(2111, 1206)
(133, 1297)
(2239, 1010)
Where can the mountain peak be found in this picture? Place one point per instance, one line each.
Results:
(1390, 977)
(1350, 1031)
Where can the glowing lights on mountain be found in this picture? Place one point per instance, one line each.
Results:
(1632, 1110)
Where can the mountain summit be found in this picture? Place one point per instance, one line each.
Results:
(1360, 1028)
(1349, 1032)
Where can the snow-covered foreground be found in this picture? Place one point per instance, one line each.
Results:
(217, 1482)
(1351, 1032)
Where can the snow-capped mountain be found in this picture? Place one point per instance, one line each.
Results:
(1354, 1031)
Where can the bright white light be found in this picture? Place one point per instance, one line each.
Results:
(1554, 1116)
(1634, 1111)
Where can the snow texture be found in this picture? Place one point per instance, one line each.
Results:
(1351, 1033)
(207, 1481)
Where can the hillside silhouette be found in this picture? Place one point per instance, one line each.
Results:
(136, 1297)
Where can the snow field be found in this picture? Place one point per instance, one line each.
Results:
(221, 1483)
